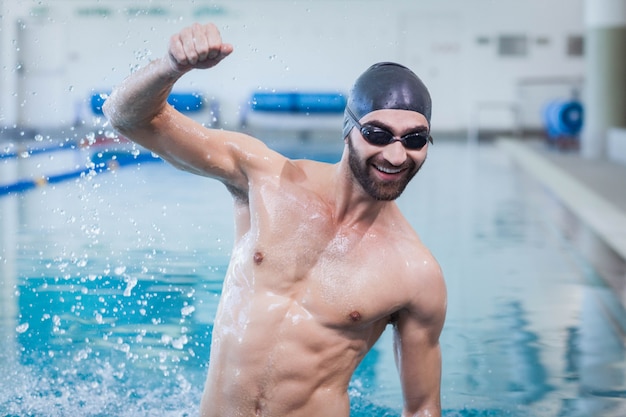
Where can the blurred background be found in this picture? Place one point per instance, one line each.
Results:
(490, 64)
(109, 283)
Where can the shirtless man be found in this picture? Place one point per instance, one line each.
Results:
(323, 259)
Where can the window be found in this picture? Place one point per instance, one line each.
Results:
(575, 45)
(512, 45)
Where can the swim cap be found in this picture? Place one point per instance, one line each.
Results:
(387, 85)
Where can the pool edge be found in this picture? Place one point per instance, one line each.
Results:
(599, 214)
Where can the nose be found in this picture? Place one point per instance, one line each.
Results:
(395, 153)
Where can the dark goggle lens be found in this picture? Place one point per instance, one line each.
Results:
(376, 136)
(415, 140)
(381, 137)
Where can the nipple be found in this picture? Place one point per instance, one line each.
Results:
(355, 316)
(258, 258)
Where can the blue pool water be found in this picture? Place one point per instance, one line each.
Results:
(109, 284)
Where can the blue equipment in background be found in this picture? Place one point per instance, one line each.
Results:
(183, 102)
(298, 102)
(563, 120)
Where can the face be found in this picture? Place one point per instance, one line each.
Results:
(385, 171)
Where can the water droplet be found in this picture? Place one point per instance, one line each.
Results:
(187, 310)
(22, 328)
(81, 355)
(180, 342)
(130, 284)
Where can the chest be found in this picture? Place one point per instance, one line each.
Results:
(294, 250)
(293, 234)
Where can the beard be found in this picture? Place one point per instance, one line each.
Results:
(377, 189)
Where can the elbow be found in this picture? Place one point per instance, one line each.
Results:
(122, 117)
(107, 109)
(427, 412)
(423, 406)
(113, 114)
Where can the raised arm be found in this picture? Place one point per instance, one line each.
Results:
(138, 109)
(418, 354)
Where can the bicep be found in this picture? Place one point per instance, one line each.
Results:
(418, 357)
(418, 352)
(225, 155)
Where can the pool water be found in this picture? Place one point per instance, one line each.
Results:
(109, 285)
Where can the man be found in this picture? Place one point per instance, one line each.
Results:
(323, 260)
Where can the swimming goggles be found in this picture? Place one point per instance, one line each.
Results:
(380, 137)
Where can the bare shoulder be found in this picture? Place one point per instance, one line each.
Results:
(423, 283)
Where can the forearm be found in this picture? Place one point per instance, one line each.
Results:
(135, 106)
(138, 109)
(141, 97)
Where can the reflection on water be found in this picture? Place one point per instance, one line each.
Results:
(109, 285)
(527, 381)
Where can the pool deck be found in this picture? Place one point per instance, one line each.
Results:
(593, 190)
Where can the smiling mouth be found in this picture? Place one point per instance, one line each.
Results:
(388, 170)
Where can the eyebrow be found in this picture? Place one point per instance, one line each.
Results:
(382, 125)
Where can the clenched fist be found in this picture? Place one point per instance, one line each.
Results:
(197, 46)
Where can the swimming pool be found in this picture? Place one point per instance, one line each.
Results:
(109, 285)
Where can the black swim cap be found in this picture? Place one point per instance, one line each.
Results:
(387, 85)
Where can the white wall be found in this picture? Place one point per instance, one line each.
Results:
(321, 44)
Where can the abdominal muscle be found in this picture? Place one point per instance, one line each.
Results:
(270, 356)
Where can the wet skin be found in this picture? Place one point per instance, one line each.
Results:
(321, 264)
(304, 299)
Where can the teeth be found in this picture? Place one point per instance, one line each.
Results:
(388, 170)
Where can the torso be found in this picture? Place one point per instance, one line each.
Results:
(304, 299)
